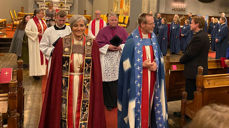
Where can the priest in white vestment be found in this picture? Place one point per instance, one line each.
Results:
(95, 25)
(34, 30)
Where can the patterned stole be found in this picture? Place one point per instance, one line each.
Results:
(84, 108)
(39, 28)
(139, 73)
(93, 26)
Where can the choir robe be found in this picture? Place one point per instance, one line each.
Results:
(52, 109)
(187, 36)
(190, 20)
(205, 27)
(96, 27)
(214, 32)
(210, 28)
(222, 44)
(227, 54)
(175, 38)
(162, 38)
(141, 93)
(35, 66)
(157, 24)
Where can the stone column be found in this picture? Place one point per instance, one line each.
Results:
(135, 10)
(101, 5)
(154, 6)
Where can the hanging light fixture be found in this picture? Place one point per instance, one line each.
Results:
(206, 1)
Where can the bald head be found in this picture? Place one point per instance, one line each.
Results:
(97, 14)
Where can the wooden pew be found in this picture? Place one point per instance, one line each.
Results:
(174, 77)
(14, 92)
(210, 89)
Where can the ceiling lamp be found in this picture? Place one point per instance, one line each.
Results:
(206, 1)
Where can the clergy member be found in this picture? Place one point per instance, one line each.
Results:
(141, 90)
(111, 41)
(34, 30)
(53, 33)
(96, 25)
(73, 96)
(222, 39)
(49, 39)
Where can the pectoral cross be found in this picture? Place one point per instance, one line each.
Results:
(6, 73)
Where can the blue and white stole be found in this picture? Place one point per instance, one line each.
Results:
(159, 99)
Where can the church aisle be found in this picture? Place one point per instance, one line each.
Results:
(33, 100)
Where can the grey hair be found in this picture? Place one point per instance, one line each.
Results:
(77, 18)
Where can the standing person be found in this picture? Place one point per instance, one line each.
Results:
(73, 96)
(196, 54)
(205, 26)
(110, 54)
(19, 44)
(162, 36)
(50, 15)
(211, 25)
(214, 32)
(141, 91)
(52, 34)
(157, 23)
(222, 39)
(190, 17)
(175, 35)
(224, 15)
(49, 40)
(96, 25)
(34, 30)
(185, 35)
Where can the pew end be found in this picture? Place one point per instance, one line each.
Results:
(210, 89)
(12, 95)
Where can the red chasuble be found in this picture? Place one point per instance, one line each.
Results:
(51, 109)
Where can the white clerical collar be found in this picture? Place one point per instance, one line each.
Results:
(145, 35)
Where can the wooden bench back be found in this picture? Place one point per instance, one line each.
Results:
(175, 80)
(214, 88)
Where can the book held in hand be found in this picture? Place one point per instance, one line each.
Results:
(116, 41)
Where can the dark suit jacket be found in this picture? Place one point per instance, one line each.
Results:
(196, 54)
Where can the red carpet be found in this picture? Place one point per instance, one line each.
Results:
(111, 118)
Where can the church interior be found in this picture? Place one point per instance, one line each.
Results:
(22, 95)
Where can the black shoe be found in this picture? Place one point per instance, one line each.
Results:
(109, 108)
(36, 77)
(177, 114)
